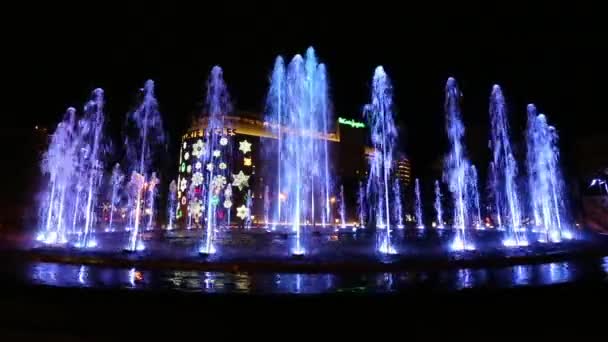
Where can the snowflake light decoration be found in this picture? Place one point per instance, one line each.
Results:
(184, 185)
(227, 204)
(198, 148)
(242, 212)
(222, 166)
(218, 183)
(198, 165)
(217, 153)
(196, 208)
(228, 192)
(224, 141)
(197, 178)
(245, 146)
(241, 180)
(210, 167)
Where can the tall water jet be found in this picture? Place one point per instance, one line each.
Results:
(266, 205)
(94, 116)
(361, 207)
(419, 219)
(545, 178)
(217, 106)
(473, 195)
(172, 204)
(152, 192)
(248, 203)
(438, 207)
(342, 208)
(379, 115)
(398, 207)
(116, 182)
(507, 197)
(145, 137)
(456, 165)
(298, 114)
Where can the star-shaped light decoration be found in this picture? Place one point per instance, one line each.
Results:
(184, 184)
(222, 166)
(227, 204)
(217, 153)
(241, 180)
(242, 212)
(198, 165)
(247, 161)
(223, 141)
(197, 178)
(218, 183)
(245, 146)
(198, 148)
(210, 167)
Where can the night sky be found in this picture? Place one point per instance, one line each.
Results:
(549, 54)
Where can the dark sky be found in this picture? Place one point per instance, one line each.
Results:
(550, 54)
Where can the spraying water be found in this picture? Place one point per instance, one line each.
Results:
(473, 195)
(379, 115)
(217, 106)
(117, 180)
(507, 197)
(298, 115)
(172, 204)
(361, 204)
(145, 137)
(419, 218)
(398, 207)
(266, 205)
(342, 208)
(152, 192)
(456, 165)
(547, 185)
(438, 208)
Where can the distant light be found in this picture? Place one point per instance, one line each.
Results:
(350, 122)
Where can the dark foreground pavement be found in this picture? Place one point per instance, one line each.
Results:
(63, 314)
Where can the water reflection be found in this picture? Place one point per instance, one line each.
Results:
(290, 283)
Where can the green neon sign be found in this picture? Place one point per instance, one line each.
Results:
(350, 122)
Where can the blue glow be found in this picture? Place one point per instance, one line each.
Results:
(419, 219)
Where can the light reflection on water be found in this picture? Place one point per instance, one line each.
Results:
(291, 283)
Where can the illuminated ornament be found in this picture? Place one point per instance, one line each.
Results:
(247, 161)
(183, 167)
(189, 168)
(242, 212)
(222, 166)
(215, 200)
(196, 208)
(183, 185)
(216, 153)
(184, 200)
(185, 145)
(224, 141)
(228, 192)
(241, 180)
(227, 204)
(198, 148)
(245, 146)
(198, 165)
(210, 167)
(197, 178)
(218, 183)
(186, 156)
(179, 194)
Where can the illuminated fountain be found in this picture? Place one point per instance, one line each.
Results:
(505, 171)
(473, 194)
(419, 219)
(297, 112)
(456, 165)
(145, 137)
(217, 106)
(379, 115)
(73, 164)
(342, 208)
(438, 207)
(171, 204)
(545, 179)
(361, 207)
(116, 182)
(398, 206)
